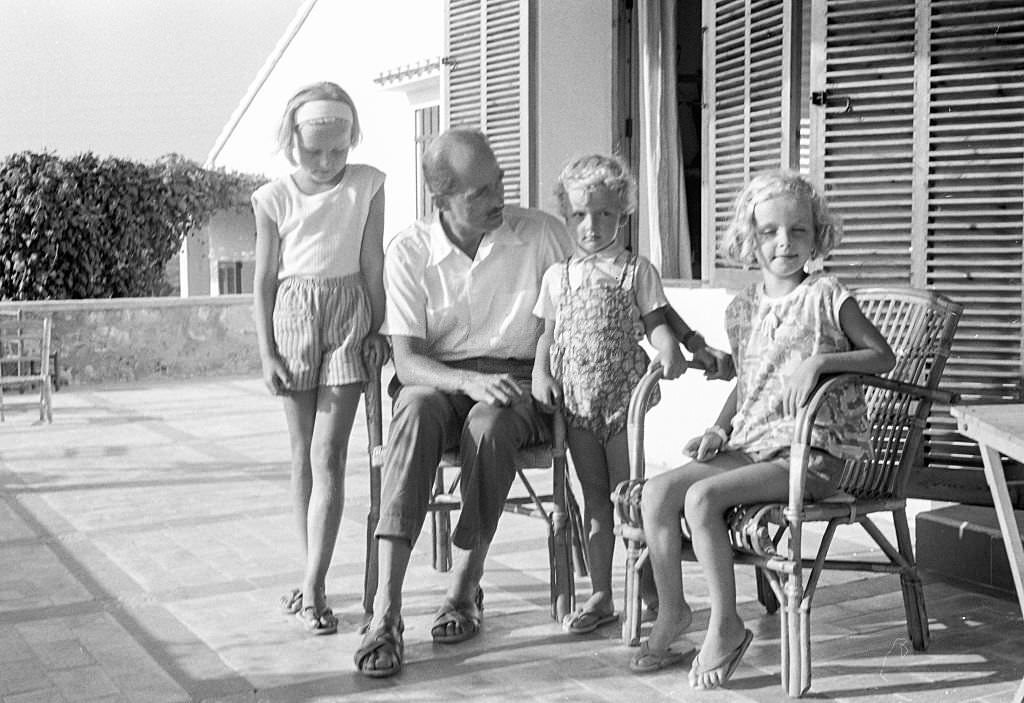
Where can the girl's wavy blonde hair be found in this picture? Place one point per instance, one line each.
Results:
(739, 241)
(596, 170)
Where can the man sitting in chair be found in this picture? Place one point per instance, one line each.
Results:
(460, 294)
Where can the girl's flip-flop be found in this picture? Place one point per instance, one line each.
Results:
(583, 622)
(322, 623)
(291, 602)
(648, 660)
(726, 666)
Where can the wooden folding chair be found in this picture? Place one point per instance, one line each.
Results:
(25, 359)
(919, 326)
(558, 508)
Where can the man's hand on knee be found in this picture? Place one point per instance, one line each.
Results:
(493, 389)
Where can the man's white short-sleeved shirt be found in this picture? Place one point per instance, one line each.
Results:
(465, 308)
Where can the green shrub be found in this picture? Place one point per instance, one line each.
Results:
(90, 227)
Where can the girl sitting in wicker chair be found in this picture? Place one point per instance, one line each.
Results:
(785, 332)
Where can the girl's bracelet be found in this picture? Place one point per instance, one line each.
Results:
(718, 432)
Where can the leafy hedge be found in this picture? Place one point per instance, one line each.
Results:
(90, 227)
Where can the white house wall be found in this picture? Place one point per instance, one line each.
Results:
(572, 74)
(348, 42)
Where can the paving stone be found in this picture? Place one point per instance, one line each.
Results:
(63, 654)
(22, 676)
(83, 683)
(12, 527)
(40, 580)
(13, 647)
(47, 695)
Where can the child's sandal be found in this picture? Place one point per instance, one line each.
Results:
(322, 623)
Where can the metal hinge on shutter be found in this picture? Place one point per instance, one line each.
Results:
(821, 98)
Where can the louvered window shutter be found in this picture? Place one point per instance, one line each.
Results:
(863, 134)
(751, 89)
(918, 140)
(486, 87)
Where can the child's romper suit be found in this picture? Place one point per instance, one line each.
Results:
(595, 354)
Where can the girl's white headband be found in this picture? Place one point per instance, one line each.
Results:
(323, 110)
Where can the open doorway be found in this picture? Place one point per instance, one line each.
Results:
(688, 71)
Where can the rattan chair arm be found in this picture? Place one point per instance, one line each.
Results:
(806, 416)
(639, 403)
(808, 413)
(626, 500)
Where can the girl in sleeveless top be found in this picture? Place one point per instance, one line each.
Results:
(319, 301)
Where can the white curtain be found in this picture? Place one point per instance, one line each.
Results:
(662, 186)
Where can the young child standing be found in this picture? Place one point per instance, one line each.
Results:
(596, 307)
(319, 301)
(785, 333)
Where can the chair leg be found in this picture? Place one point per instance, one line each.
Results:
(45, 400)
(579, 553)
(441, 528)
(784, 641)
(441, 524)
(765, 594)
(631, 598)
(560, 543)
(910, 581)
(805, 647)
(795, 646)
(374, 430)
(370, 572)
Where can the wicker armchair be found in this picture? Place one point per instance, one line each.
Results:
(919, 326)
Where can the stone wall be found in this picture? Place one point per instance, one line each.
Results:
(138, 339)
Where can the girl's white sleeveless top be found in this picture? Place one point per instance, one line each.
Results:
(321, 234)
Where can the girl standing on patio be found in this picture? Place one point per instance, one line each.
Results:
(786, 332)
(319, 301)
(596, 307)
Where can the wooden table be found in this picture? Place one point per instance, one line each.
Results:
(999, 429)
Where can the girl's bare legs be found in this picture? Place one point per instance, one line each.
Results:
(705, 502)
(320, 422)
(599, 467)
(300, 412)
(662, 507)
(664, 499)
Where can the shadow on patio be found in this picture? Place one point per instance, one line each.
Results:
(146, 535)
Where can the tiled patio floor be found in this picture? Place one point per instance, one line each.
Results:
(146, 534)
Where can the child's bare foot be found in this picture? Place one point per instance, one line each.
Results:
(597, 611)
(669, 627)
(315, 597)
(719, 655)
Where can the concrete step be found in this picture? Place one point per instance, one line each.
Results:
(964, 542)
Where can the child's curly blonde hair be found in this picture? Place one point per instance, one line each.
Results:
(596, 170)
(739, 241)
